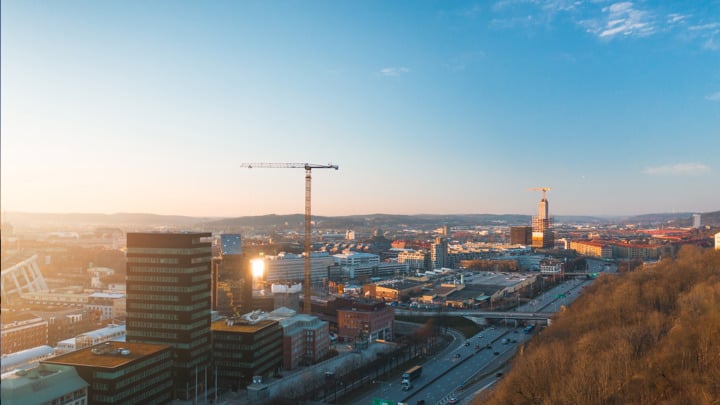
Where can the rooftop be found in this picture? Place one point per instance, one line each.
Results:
(108, 354)
(41, 384)
(238, 326)
(398, 284)
(506, 279)
(107, 295)
(476, 292)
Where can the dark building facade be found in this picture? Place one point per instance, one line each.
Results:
(168, 300)
(234, 277)
(123, 373)
(521, 235)
(244, 347)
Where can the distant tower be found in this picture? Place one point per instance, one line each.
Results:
(168, 300)
(446, 230)
(542, 236)
(696, 220)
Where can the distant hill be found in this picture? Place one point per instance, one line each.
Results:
(681, 219)
(25, 219)
(374, 221)
(706, 218)
(390, 221)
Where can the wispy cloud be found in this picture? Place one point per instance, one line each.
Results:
(471, 12)
(502, 4)
(609, 19)
(709, 32)
(622, 19)
(530, 12)
(675, 18)
(557, 6)
(705, 27)
(394, 71)
(683, 169)
(513, 22)
(713, 97)
(712, 44)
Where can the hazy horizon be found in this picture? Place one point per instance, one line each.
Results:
(348, 215)
(426, 106)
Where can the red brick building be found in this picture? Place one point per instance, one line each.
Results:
(306, 339)
(364, 320)
(22, 331)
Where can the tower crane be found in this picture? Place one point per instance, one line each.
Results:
(543, 189)
(308, 169)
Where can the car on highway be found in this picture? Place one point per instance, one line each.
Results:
(452, 399)
(496, 353)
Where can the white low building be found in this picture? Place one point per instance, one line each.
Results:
(356, 259)
(291, 267)
(25, 359)
(106, 334)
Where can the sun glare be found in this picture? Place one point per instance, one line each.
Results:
(258, 266)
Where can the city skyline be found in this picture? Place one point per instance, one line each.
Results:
(427, 107)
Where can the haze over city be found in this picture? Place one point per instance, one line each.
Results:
(427, 107)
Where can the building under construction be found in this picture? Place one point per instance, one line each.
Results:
(542, 235)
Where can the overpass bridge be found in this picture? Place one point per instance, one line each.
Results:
(474, 315)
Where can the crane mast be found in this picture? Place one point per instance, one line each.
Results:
(307, 308)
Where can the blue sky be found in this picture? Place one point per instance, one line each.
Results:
(427, 106)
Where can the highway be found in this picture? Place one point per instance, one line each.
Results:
(448, 376)
(435, 369)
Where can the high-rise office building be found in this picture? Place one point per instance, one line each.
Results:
(697, 220)
(542, 236)
(439, 253)
(168, 300)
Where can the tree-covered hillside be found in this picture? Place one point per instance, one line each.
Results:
(647, 337)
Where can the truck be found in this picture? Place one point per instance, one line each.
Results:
(528, 329)
(410, 375)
